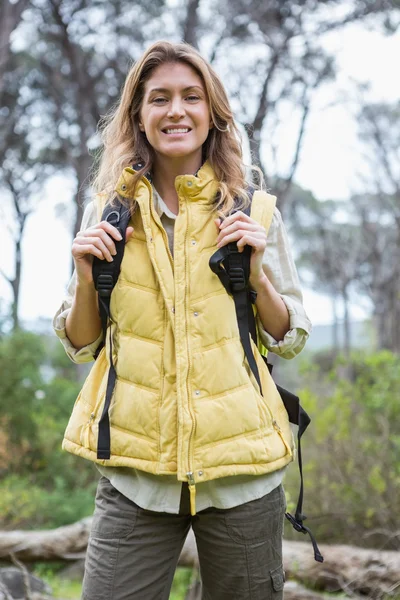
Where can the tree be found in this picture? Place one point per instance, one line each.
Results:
(82, 50)
(284, 64)
(331, 250)
(10, 16)
(379, 214)
(25, 164)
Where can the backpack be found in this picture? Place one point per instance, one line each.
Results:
(233, 269)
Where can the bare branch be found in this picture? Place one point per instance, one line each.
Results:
(10, 281)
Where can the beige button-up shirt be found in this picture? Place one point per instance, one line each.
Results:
(162, 493)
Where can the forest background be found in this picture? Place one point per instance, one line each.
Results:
(62, 65)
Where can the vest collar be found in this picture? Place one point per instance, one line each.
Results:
(202, 186)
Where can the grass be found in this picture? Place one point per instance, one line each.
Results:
(65, 589)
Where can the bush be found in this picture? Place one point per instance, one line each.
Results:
(41, 486)
(352, 450)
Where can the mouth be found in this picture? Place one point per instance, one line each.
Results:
(176, 131)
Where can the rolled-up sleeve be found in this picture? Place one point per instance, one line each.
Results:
(87, 353)
(279, 266)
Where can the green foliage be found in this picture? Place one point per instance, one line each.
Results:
(71, 589)
(21, 355)
(183, 577)
(352, 449)
(38, 388)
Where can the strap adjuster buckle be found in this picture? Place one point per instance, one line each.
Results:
(295, 523)
(237, 279)
(105, 284)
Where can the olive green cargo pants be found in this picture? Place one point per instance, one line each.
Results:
(133, 553)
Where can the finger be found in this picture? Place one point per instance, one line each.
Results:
(113, 231)
(128, 234)
(237, 216)
(235, 236)
(240, 225)
(97, 242)
(257, 244)
(85, 250)
(94, 232)
(257, 239)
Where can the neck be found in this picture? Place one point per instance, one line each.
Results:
(166, 169)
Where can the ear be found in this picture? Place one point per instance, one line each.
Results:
(141, 127)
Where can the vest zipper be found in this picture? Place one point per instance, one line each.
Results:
(192, 492)
(190, 476)
(159, 224)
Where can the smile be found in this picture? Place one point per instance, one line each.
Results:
(180, 131)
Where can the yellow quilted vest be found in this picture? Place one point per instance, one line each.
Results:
(185, 401)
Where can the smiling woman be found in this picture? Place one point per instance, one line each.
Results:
(175, 119)
(190, 439)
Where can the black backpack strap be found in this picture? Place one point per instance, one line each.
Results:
(233, 272)
(105, 276)
(233, 269)
(298, 416)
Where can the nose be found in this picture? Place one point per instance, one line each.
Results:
(176, 109)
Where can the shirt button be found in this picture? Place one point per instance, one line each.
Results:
(190, 183)
(196, 314)
(200, 473)
(173, 309)
(123, 187)
(193, 242)
(197, 392)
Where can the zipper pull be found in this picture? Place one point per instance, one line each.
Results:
(87, 431)
(192, 491)
(280, 433)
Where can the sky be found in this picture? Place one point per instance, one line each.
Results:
(332, 166)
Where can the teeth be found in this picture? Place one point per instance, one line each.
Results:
(177, 130)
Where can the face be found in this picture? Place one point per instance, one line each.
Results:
(175, 99)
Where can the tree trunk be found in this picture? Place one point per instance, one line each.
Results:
(346, 323)
(16, 282)
(335, 324)
(82, 167)
(10, 15)
(191, 24)
(346, 568)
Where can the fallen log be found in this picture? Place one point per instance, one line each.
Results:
(354, 570)
(64, 543)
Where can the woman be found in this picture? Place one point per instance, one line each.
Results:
(193, 442)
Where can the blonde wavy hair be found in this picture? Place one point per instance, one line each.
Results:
(123, 143)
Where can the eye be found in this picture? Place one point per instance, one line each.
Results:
(158, 100)
(192, 97)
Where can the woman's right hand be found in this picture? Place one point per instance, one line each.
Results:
(94, 241)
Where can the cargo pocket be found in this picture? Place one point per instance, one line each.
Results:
(114, 516)
(277, 580)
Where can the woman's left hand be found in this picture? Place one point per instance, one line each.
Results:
(243, 230)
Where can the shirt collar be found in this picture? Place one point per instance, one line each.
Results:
(160, 206)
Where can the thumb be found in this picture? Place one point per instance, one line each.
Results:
(129, 231)
(218, 222)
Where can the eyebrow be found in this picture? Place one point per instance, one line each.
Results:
(186, 89)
